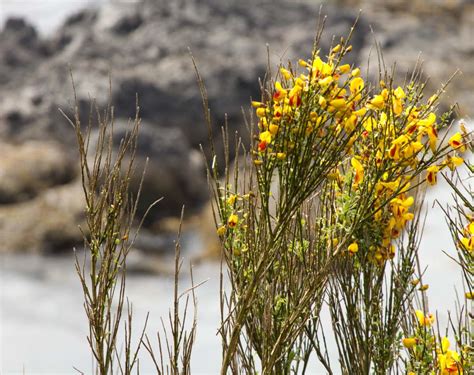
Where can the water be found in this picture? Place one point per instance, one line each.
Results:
(43, 326)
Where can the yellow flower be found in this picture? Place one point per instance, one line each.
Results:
(360, 112)
(336, 49)
(221, 230)
(263, 123)
(412, 149)
(449, 361)
(295, 96)
(433, 136)
(321, 68)
(389, 185)
(377, 102)
(468, 243)
(399, 208)
(452, 162)
(257, 104)
(355, 72)
(423, 320)
(431, 174)
(397, 106)
(322, 102)
(369, 124)
(409, 342)
(273, 129)
(326, 81)
(350, 123)
(456, 142)
(428, 121)
(303, 63)
(356, 85)
(232, 221)
(359, 171)
(265, 136)
(445, 344)
(399, 93)
(280, 93)
(261, 112)
(353, 248)
(281, 155)
(231, 199)
(397, 103)
(286, 74)
(344, 68)
(338, 103)
(394, 152)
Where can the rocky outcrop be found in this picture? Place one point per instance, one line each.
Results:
(47, 223)
(29, 168)
(437, 33)
(173, 172)
(145, 47)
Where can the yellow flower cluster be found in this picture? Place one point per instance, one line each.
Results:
(395, 138)
(467, 241)
(332, 90)
(434, 358)
(390, 132)
(449, 361)
(232, 217)
(424, 320)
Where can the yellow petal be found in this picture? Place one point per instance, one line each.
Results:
(233, 220)
(273, 129)
(338, 103)
(344, 68)
(445, 344)
(326, 81)
(399, 93)
(286, 74)
(261, 112)
(353, 248)
(256, 104)
(355, 72)
(265, 136)
(409, 342)
(356, 85)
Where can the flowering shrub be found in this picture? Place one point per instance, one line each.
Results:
(320, 210)
(326, 207)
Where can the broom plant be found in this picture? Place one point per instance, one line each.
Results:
(317, 207)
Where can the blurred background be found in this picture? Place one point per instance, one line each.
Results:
(144, 46)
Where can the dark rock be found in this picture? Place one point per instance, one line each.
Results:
(24, 33)
(174, 171)
(127, 24)
(20, 45)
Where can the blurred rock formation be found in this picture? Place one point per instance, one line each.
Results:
(145, 47)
